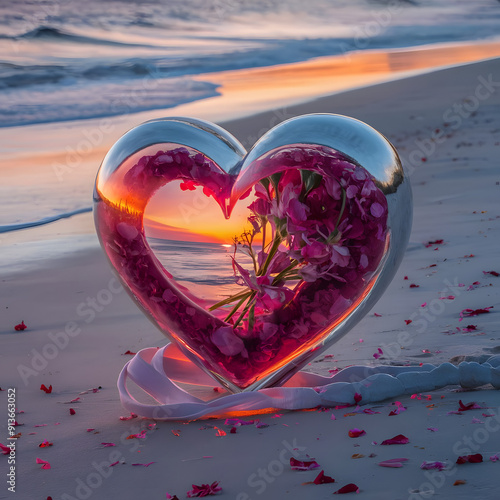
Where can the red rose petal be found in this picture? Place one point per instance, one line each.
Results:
(20, 327)
(354, 433)
(467, 313)
(399, 439)
(43, 463)
(44, 388)
(473, 459)
(348, 488)
(493, 273)
(468, 406)
(204, 490)
(321, 478)
(303, 465)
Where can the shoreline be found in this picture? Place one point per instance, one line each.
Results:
(353, 102)
(81, 325)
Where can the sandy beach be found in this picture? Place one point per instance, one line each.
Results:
(445, 125)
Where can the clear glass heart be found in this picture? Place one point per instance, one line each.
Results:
(253, 262)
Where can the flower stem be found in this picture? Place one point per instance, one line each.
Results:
(282, 274)
(240, 317)
(235, 308)
(227, 301)
(264, 226)
(272, 252)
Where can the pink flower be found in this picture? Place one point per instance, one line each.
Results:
(316, 252)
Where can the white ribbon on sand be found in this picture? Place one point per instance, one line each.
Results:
(154, 370)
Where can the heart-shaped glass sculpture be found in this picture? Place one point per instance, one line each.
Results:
(268, 256)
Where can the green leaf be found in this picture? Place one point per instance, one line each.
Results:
(310, 180)
(275, 180)
(265, 182)
(251, 318)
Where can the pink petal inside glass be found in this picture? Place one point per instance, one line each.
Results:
(247, 272)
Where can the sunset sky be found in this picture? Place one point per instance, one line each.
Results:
(191, 216)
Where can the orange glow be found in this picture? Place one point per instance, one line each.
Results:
(253, 90)
(179, 215)
(192, 216)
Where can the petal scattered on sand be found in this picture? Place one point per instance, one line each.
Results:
(44, 463)
(476, 458)
(303, 465)
(467, 313)
(433, 465)
(348, 488)
(132, 415)
(204, 490)
(468, 406)
(399, 439)
(321, 478)
(354, 433)
(492, 273)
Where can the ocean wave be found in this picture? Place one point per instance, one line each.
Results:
(69, 63)
(49, 33)
(98, 99)
(7, 228)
